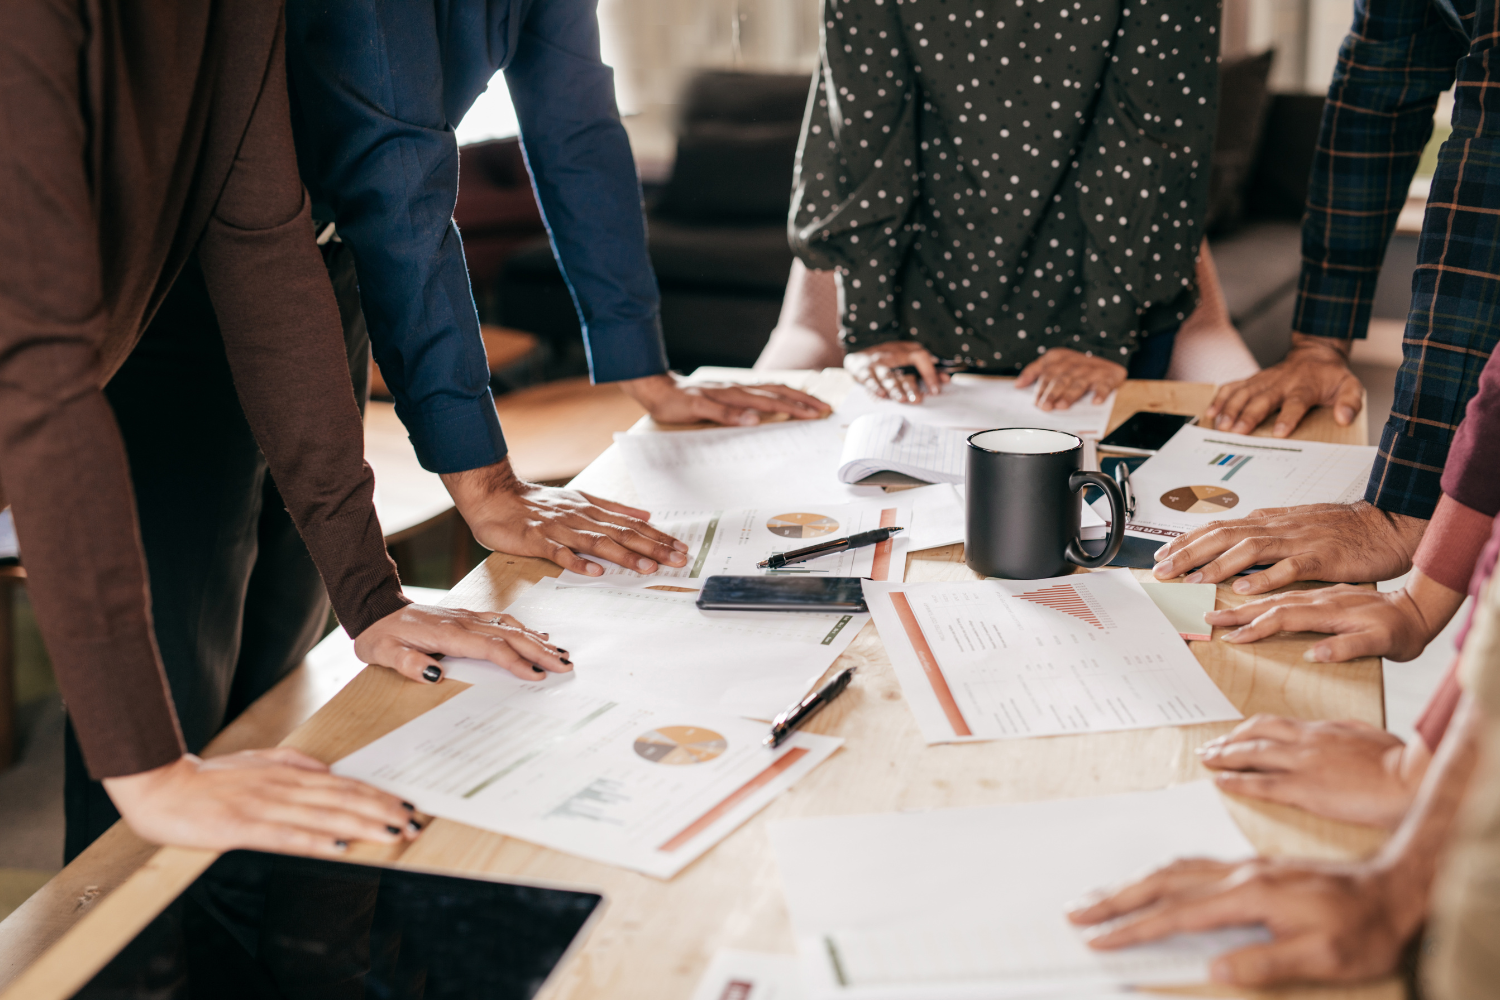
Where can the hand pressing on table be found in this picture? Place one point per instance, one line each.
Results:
(1063, 376)
(1329, 923)
(1397, 625)
(1315, 372)
(672, 402)
(510, 515)
(1349, 771)
(877, 369)
(267, 800)
(1339, 543)
(412, 641)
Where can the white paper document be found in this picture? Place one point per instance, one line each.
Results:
(890, 442)
(1006, 659)
(750, 975)
(732, 542)
(983, 402)
(963, 904)
(733, 467)
(646, 788)
(653, 645)
(1203, 475)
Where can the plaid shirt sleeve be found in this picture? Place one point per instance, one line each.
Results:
(1454, 319)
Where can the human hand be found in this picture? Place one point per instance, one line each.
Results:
(523, 519)
(409, 641)
(1065, 376)
(1328, 923)
(1339, 543)
(1348, 771)
(1315, 372)
(269, 800)
(671, 402)
(1397, 625)
(875, 368)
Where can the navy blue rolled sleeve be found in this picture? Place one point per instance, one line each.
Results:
(377, 86)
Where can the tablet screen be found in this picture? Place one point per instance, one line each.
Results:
(268, 926)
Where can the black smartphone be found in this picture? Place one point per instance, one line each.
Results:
(1144, 433)
(782, 593)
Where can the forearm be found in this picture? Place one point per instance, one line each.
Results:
(585, 180)
(1377, 121)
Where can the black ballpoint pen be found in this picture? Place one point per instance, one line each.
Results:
(784, 724)
(858, 541)
(1122, 476)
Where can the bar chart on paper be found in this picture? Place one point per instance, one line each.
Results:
(1005, 659)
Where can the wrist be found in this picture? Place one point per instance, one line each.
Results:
(649, 388)
(125, 789)
(1333, 348)
(1403, 884)
(473, 489)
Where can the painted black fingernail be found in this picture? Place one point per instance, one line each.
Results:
(537, 670)
(392, 829)
(562, 653)
(342, 845)
(432, 674)
(408, 807)
(567, 663)
(414, 826)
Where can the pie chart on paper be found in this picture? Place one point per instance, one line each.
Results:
(1200, 499)
(802, 525)
(680, 745)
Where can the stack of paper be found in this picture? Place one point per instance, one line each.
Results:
(656, 646)
(983, 402)
(970, 903)
(890, 442)
(647, 788)
(1006, 659)
(1203, 475)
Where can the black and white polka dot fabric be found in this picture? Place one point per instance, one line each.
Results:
(994, 179)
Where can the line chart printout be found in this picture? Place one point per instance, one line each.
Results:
(731, 542)
(788, 463)
(653, 645)
(975, 907)
(1008, 659)
(645, 788)
(982, 402)
(1202, 475)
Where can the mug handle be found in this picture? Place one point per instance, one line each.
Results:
(1075, 553)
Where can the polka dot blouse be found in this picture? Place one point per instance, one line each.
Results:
(994, 179)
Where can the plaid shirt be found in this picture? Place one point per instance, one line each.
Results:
(1399, 56)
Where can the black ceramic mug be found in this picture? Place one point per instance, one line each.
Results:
(1024, 497)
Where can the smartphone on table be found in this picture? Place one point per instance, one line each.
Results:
(783, 593)
(1144, 433)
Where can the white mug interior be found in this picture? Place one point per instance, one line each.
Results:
(1025, 441)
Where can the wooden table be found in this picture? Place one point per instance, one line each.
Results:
(657, 937)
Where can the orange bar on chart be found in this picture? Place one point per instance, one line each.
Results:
(734, 798)
(930, 665)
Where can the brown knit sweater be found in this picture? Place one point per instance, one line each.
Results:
(131, 135)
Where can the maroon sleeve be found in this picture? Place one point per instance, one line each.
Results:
(1471, 474)
(283, 337)
(61, 454)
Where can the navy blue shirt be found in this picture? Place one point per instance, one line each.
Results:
(377, 86)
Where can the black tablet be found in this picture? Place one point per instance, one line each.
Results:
(272, 927)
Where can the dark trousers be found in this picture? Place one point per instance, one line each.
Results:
(236, 601)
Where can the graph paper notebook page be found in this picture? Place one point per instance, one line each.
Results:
(785, 463)
(646, 788)
(980, 402)
(651, 645)
(732, 542)
(1203, 475)
(981, 914)
(890, 442)
(1006, 659)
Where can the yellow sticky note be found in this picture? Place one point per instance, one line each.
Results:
(1184, 604)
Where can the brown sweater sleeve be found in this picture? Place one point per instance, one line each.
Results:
(282, 334)
(61, 454)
